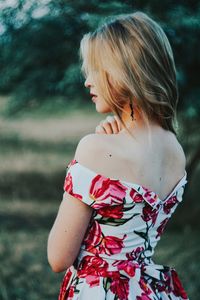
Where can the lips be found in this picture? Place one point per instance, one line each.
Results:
(93, 97)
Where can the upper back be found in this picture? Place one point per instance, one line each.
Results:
(158, 165)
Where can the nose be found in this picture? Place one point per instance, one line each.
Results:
(87, 84)
(88, 81)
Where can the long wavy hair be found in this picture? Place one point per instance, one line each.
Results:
(131, 61)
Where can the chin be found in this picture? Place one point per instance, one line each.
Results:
(103, 109)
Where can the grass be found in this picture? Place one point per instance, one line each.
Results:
(35, 149)
(26, 275)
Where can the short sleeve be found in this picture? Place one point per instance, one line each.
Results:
(77, 183)
(92, 188)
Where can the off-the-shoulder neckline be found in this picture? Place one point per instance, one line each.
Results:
(134, 184)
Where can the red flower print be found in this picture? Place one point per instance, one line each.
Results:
(120, 287)
(144, 296)
(177, 286)
(103, 188)
(92, 267)
(126, 265)
(63, 288)
(144, 286)
(165, 283)
(96, 243)
(135, 254)
(149, 195)
(136, 196)
(93, 238)
(71, 292)
(114, 212)
(169, 204)
(111, 245)
(72, 162)
(161, 228)
(149, 214)
(68, 186)
(92, 280)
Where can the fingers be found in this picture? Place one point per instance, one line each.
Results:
(104, 127)
(110, 125)
(100, 129)
(118, 122)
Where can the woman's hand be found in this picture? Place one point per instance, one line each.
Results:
(110, 125)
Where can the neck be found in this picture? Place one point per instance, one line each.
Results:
(137, 122)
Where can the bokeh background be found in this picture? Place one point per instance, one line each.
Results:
(45, 110)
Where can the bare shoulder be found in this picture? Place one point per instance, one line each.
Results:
(181, 153)
(177, 150)
(90, 149)
(103, 154)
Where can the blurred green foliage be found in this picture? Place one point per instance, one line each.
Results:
(39, 42)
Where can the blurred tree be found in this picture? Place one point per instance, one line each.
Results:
(39, 42)
(39, 53)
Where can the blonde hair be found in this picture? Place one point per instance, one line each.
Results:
(130, 60)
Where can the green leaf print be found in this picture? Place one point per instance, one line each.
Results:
(143, 235)
(115, 222)
(106, 284)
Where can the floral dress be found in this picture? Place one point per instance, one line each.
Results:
(115, 258)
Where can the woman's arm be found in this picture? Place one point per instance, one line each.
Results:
(67, 233)
(72, 220)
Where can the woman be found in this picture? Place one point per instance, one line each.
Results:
(122, 186)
